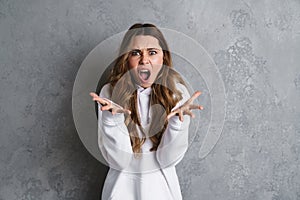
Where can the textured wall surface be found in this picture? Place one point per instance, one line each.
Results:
(255, 44)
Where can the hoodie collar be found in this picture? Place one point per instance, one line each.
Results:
(144, 91)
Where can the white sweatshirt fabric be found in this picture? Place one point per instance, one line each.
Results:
(153, 175)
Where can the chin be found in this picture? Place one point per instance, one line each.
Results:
(145, 85)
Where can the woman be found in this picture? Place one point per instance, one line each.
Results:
(144, 115)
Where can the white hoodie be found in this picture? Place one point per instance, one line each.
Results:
(153, 175)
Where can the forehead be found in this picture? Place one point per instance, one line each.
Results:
(144, 42)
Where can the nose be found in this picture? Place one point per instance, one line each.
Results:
(144, 59)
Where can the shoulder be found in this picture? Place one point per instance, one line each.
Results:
(184, 93)
(105, 91)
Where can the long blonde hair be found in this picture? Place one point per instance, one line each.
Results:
(164, 92)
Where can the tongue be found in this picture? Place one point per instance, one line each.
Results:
(144, 75)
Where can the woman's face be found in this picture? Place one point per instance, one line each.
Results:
(145, 59)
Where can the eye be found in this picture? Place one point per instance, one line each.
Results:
(135, 53)
(152, 52)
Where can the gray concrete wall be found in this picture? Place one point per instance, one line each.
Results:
(255, 44)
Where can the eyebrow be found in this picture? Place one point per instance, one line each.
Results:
(148, 49)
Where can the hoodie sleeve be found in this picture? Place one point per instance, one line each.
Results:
(113, 136)
(174, 142)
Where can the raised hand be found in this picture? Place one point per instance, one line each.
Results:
(186, 108)
(109, 105)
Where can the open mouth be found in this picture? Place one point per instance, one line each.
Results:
(144, 74)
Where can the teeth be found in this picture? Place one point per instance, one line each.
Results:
(144, 74)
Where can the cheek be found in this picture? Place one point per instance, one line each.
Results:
(132, 63)
(159, 59)
(158, 62)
